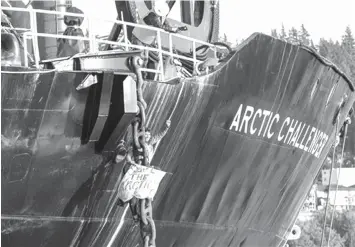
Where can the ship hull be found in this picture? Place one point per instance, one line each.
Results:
(245, 145)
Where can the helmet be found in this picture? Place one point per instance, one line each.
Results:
(161, 8)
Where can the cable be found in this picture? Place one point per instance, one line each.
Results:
(177, 101)
(44, 71)
(336, 190)
(330, 179)
(29, 72)
(326, 62)
(172, 112)
(189, 65)
(223, 44)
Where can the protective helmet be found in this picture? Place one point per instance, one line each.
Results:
(161, 8)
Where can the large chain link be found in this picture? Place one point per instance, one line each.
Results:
(143, 210)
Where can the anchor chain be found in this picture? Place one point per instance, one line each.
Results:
(142, 210)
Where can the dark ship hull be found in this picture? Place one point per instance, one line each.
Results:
(244, 148)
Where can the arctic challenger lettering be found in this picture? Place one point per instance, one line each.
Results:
(266, 124)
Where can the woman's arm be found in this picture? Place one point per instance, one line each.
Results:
(159, 136)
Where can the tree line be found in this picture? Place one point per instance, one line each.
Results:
(341, 53)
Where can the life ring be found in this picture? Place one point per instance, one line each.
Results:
(295, 233)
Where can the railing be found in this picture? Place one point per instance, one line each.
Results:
(32, 34)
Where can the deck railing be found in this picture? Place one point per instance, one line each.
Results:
(33, 34)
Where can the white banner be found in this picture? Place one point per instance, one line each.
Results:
(140, 182)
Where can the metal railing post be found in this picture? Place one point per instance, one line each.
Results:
(92, 41)
(25, 37)
(194, 53)
(33, 18)
(125, 35)
(170, 43)
(161, 62)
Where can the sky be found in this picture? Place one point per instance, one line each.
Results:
(240, 18)
(322, 18)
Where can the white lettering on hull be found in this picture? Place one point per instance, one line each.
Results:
(266, 124)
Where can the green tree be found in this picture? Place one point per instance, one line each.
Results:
(339, 56)
(293, 36)
(312, 44)
(348, 41)
(348, 227)
(274, 33)
(283, 34)
(343, 224)
(225, 39)
(304, 36)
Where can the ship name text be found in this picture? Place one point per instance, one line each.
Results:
(270, 125)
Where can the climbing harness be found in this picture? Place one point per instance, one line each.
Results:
(142, 210)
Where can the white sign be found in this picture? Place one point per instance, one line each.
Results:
(140, 182)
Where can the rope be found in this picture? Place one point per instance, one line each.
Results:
(69, 58)
(29, 4)
(30, 72)
(336, 190)
(330, 179)
(172, 112)
(329, 64)
(177, 101)
(189, 65)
